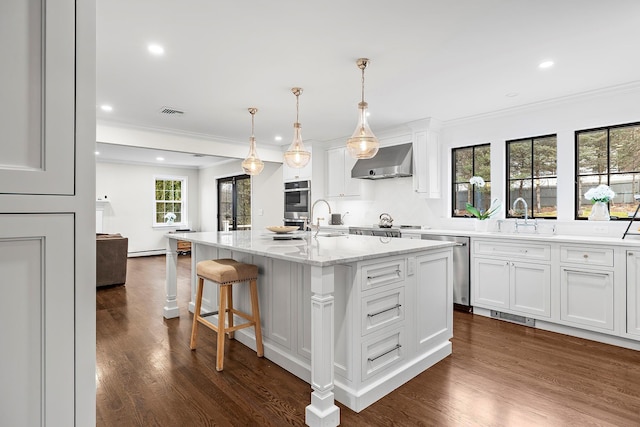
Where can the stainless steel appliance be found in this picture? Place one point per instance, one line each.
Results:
(297, 202)
(461, 270)
(375, 231)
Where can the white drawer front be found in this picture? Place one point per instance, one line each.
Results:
(382, 273)
(587, 255)
(524, 250)
(382, 352)
(382, 309)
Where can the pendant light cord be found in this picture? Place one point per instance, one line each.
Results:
(363, 84)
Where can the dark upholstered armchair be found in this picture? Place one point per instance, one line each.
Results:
(111, 259)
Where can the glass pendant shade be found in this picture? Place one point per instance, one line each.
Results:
(297, 156)
(363, 144)
(252, 165)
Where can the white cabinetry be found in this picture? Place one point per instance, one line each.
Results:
(633, 293)
(586, 286)
(426, 157)
(339, 181)
(504, 278)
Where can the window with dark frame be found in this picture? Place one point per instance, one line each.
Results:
(611, 156)
(234, 203)
(468, 162)
(532, 174)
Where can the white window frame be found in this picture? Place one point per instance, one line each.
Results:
(184, 196)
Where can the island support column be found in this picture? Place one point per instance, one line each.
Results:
(322, 411)
(171, 285)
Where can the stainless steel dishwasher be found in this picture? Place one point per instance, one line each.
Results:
(461, 270)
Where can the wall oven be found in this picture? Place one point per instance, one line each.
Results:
(297, 202)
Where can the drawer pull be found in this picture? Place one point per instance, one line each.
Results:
(384, 311)
(382, 275)
(371, 359)
(585, 256)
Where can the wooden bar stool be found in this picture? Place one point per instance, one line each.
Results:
(226, 273)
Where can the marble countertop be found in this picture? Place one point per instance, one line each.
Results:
(530, 236)
(319, 251)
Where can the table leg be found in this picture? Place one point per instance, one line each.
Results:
(171, 285)
(322, 411)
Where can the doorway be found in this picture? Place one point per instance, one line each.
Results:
(234, 203)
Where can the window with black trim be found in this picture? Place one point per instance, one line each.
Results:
(170, 205)
(532, 174)
(611, 156)
(469, 162)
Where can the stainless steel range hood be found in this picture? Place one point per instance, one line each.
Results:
(390, 162)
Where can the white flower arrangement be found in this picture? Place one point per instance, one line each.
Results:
(602, 193)
(170, 216)
(477, 181)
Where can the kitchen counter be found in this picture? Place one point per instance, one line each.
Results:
(355, 316)
(528, 235)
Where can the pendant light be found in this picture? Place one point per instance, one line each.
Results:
(363, 144)
(252, 165)
(296, 156)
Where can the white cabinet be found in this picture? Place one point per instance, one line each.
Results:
(338, 172)
(47, 216)
(633, 293)
(587, 286)
(586, 297)
(426, 158)
(502, 278)
(298, 174)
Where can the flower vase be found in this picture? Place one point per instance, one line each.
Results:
(481, 225)
(599, 212)
(169, 222)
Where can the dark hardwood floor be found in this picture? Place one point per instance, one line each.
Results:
(499, 374)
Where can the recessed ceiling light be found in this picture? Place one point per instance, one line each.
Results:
(106, 107)
(159, 159)
(278, 138)
(545, 64)
(156, 49)
(97, 153)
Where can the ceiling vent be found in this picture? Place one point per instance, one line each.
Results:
(171, 111)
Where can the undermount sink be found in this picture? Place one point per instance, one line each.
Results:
(330, 234)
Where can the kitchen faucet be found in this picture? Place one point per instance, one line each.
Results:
(318, 220)
(526, 223)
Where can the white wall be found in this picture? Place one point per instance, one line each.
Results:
(562, 117)
(130, 191)
(267, 204)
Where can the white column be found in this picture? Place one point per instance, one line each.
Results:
(171, 286)
(322, 411)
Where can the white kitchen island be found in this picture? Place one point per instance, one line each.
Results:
(355, 316)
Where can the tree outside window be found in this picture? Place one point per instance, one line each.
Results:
(532, 174)
(170, 198)
(468, 162)
(610, 156)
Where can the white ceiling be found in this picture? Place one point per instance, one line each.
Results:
(442, 59)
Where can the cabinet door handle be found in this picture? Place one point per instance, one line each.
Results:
(385, 310)
(630, 253)
(585, 256)
(382, 275)
(371, 359)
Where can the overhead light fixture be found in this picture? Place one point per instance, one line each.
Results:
(296, 156)
(363, 144)
(156, 49)
(252, 165)
(105, 107)
(546, 64)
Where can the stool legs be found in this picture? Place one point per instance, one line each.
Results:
(226, 306)
(255, 311)
(196, 314)
(224, 290)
